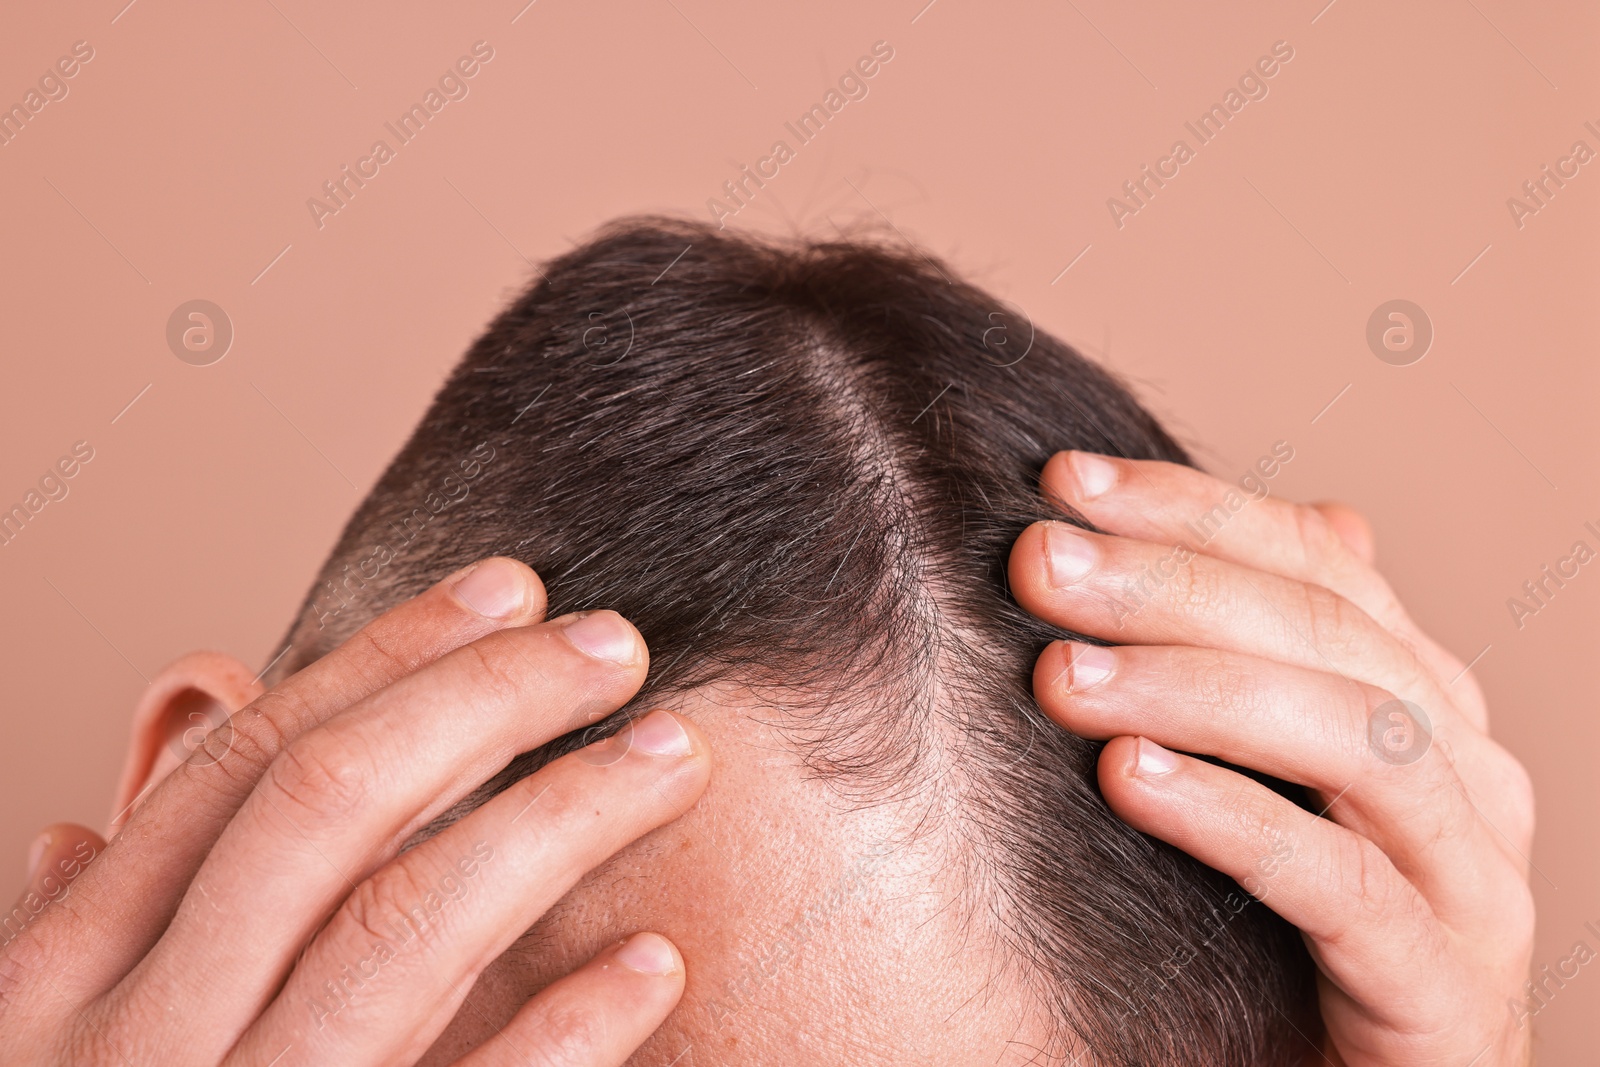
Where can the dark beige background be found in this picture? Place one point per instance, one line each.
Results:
(1378, 167)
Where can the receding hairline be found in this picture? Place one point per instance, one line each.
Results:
(886, 422)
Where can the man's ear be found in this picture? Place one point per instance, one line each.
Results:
(190, 696)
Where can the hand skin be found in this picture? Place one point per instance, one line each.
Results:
(1274, 645)
(255, 908)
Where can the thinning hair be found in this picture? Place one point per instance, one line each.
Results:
(801, 466)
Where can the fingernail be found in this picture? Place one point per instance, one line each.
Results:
(603, 635)
(1094, 474)
(659, 734)
(36, 853)
(1153, 759)
(1087, 665)
(495, 588)
(1068, 556)
(648, 954)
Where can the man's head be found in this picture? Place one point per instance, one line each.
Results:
(798, 470)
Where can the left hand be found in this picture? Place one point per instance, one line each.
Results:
(1274, 644)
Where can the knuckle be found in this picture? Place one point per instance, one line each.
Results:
(234, 756)
(570, 1035)
(1458, 822)
(1524, 802)
(394, 907)
(106, 1036)
(1196, 591)
(1320, 544)
(1366, 702)
(23, 959)
(1332, 622)
(30, 1031)
(322, 775)
(1516, 918)
(1367, 882)
(497, 669)
(1260, 812)
(1514, 785)
(1223, 685)
(378, 657)
(87, 1047)
(1259, 828)
(1472, 698)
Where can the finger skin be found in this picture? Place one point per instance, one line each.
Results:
(534, 842)
(596, 1016)
(1352, 527)
(1370, 930)
(131, 894)
(1140, 592)
(58, 856)
(59, 859)
(1420, 918)
(1169, 504)
(1304, 726)
(343, 797)
(1397, 987)
(1136, 592)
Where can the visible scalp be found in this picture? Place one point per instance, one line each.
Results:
(804, 473)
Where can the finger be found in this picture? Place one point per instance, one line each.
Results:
(1309, 727)
(388, 972)
(1133, 591)
(1167, 503)
(1356, 532)
(1352, 527)
(1171, 504)
(132, 892)
(55, 860)
(1368, 928)
(595, 1017)
(343, 797)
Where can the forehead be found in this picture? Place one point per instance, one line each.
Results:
(814, 928)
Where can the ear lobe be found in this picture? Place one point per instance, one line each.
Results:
(189, 697)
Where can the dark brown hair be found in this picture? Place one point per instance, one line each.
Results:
(802, 466)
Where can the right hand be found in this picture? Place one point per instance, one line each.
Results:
(256, 909)
(1276, 645)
